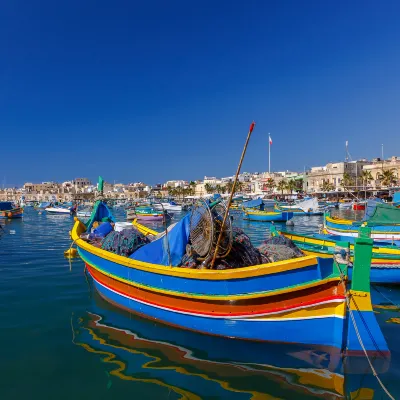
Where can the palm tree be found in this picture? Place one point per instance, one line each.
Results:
(388, 177)
(347, 180)
(229, 186)
(239, 186)
(366, 177)
(281, 185)
(208, 188)
(218, 189)
(327, 186)
(171, 191)
(299, 185)
(291, 185)
(270, 184)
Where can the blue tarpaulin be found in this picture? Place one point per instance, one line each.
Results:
(254, 203)
(396, 198)
(157, 252)
(6, 205)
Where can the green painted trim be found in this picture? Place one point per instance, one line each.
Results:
(362, 260)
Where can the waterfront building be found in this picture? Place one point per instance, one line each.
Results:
(80, 183)
(176, 183)
(378, 166)
(334, 173)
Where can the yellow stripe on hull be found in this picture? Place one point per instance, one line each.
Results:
(337, 309)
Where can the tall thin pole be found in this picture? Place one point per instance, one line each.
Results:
(382, 151)
(232, 193)
(269, 154)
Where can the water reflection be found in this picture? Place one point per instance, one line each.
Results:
(193, 366)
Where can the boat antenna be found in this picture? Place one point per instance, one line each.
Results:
(252, 125)
(348, 155)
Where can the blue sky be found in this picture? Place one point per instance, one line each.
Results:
(157, 90)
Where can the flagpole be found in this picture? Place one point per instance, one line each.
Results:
(269, 154)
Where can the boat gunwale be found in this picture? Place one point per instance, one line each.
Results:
(381, 250)
(350, 222)
(239, 273)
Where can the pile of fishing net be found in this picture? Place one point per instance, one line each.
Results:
(279, 248)
(125, 242)
(242, 254)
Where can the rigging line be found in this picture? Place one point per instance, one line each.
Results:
(365, 351)
(383, 295)
(342, 277)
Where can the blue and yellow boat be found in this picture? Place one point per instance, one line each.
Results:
(266, 216)
(303, 300)
(8, 211)
(383, 219)
(385, 262)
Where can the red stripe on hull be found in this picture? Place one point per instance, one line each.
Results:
(267, 305)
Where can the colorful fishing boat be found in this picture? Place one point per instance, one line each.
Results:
(383, 219)
(266, 216)
(385, 262)
(9, 211)
(303, 300)
(147, 213)
(253, 205)
(307, 207)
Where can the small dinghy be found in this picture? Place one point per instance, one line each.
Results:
(58, 210)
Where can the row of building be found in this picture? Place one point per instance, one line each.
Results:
(333, 177)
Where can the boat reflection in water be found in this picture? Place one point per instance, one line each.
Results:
(196, 366)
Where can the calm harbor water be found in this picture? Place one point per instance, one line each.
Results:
(59, 340)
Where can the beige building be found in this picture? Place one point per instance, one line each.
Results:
(334, 173)
(378, 166)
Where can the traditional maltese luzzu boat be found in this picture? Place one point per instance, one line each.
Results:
(266, 216)
(303, 300)
(385, 262)
(8, 211)
(383, 219)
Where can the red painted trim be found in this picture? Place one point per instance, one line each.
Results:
(271, 311)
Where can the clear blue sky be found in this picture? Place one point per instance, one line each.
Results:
(157, 90)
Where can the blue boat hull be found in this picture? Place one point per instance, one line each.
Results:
(329, 329)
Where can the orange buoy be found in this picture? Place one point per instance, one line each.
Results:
(10, 214)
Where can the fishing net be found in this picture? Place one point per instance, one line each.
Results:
(279, 248)
(242, 254)
(125, 242)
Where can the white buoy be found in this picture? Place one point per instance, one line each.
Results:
(12, 232)
(290, 223)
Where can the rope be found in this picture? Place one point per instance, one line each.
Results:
(387, 298)
(364, 350)
(339, 255)
(69, 258)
